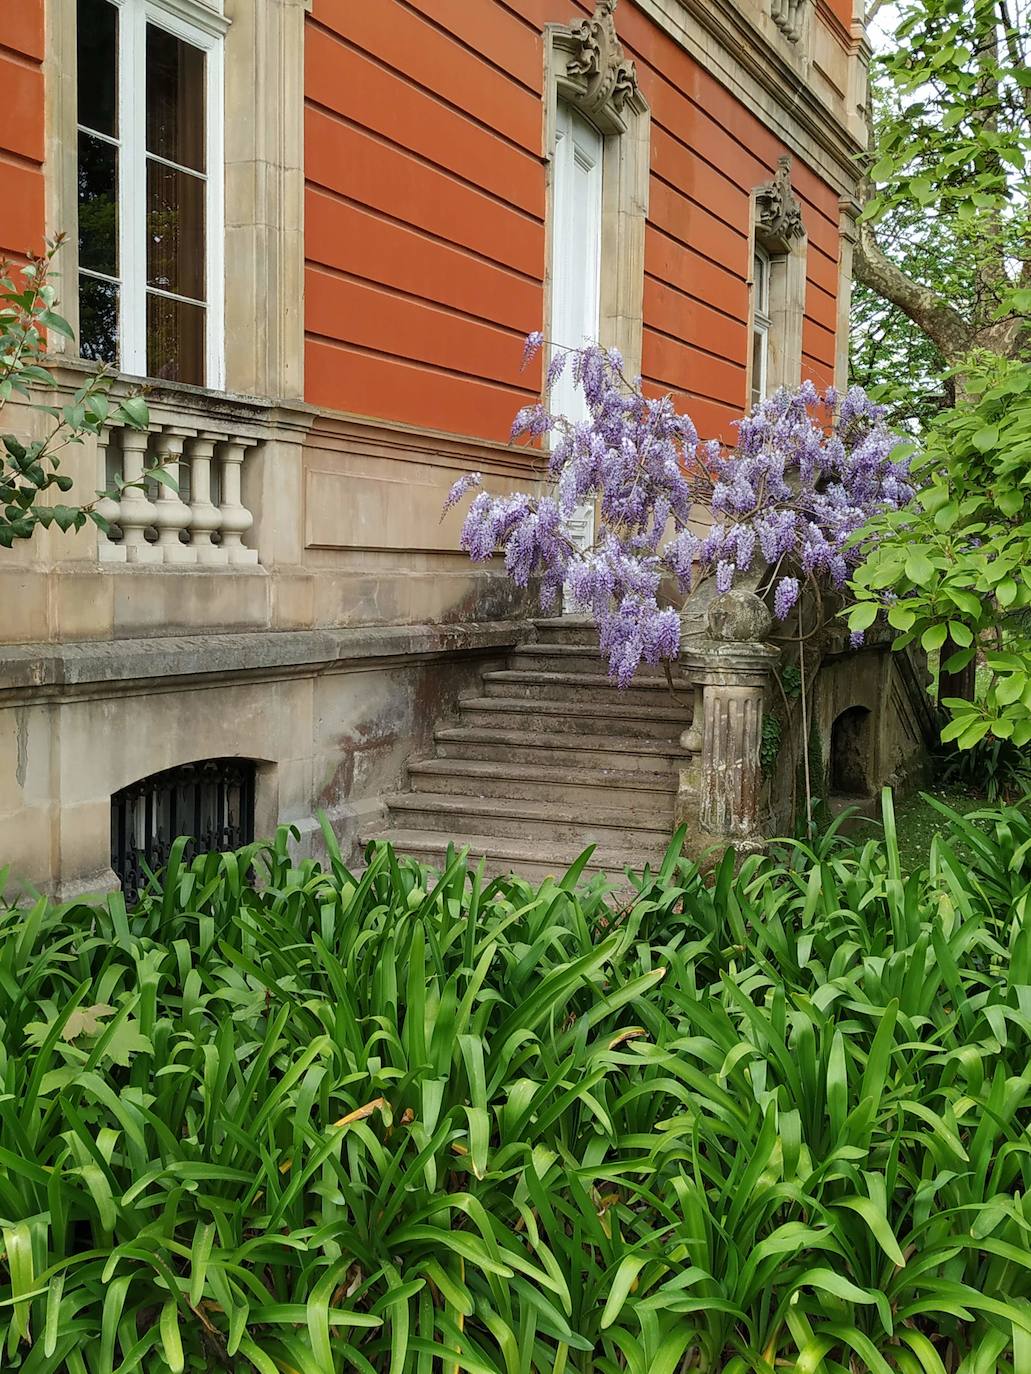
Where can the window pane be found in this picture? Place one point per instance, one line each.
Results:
(175, 340)
(98, 320)
(175, 99)
(175, 231)
(758, 365)
(761, 277)
(98, 205)
(97, 54)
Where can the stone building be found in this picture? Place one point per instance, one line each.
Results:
(320, 230)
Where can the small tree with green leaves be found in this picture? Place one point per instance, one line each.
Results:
(953, 569)
(945, 238)
(31, 467)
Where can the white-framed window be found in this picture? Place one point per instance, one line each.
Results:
(576, 236)
(761, 324)
(150, 189)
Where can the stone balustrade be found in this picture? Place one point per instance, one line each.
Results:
(201, 519)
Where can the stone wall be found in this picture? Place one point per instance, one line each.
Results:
(331, 718)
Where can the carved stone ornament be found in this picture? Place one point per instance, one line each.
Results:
(787, 15)
(597, 57)
(778, 213)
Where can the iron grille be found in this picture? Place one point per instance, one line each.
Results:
(211, 802)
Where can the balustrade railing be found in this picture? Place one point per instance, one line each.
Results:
(198, 519)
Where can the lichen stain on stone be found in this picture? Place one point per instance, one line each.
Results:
(21, 725)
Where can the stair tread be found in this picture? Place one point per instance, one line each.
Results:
(562, 622)
(544, 773)
(472, 734)
(543, 675)
(535, 705)
(524, 808)
(535, 649)
(518, 851)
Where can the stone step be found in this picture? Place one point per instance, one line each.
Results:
(575, 687)
(660, 757)
(623, 828)
(566, 629)
(626, 719)
(574, 658)
(503, 856)
(651, 792)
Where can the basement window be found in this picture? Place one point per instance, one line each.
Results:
(211, 803)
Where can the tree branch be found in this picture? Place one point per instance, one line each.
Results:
(942, 324)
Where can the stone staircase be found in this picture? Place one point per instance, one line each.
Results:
(551, 758)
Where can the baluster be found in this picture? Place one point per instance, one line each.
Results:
(205, 518)
(172, 514)
(107, 550)
(236, 518)
(135, 509)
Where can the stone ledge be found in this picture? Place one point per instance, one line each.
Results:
(56, 666)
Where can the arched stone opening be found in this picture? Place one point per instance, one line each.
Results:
(210, 801)
(851, 762)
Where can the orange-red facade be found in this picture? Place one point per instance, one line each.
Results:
(425, 208)
(425, 211)
(21, 129)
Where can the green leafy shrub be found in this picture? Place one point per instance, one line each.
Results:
(29, 468)
(953, 571)
(996, 769)
(389, 1122)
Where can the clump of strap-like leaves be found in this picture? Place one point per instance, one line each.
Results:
(807, 472)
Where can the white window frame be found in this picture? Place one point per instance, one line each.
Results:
(205, 30)
(762, 322)
(567, 256)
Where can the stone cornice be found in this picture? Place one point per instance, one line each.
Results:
(104, 667)
(747, 63)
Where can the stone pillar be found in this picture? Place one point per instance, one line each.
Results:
(108, 551)
(136, 511)
(205, 516)
(236, 518)
(721, 791)
(172, 512)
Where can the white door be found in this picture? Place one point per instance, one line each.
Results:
(575, 262)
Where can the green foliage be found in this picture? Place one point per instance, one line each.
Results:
(995, 769)
(323, 1121)
(769, 745)
(942, 262)
(955, 567)
(813, 815)
(956, 137)
(31, 467)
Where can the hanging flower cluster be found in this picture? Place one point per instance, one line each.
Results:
(807, 472)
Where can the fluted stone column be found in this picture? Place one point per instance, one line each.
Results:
(721, 787)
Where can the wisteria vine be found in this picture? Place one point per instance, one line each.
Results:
(788, 501)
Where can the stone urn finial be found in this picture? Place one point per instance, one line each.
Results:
(739, 617)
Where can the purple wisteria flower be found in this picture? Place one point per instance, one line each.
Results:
(788, 502)
(459, 489)
(785, 597)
